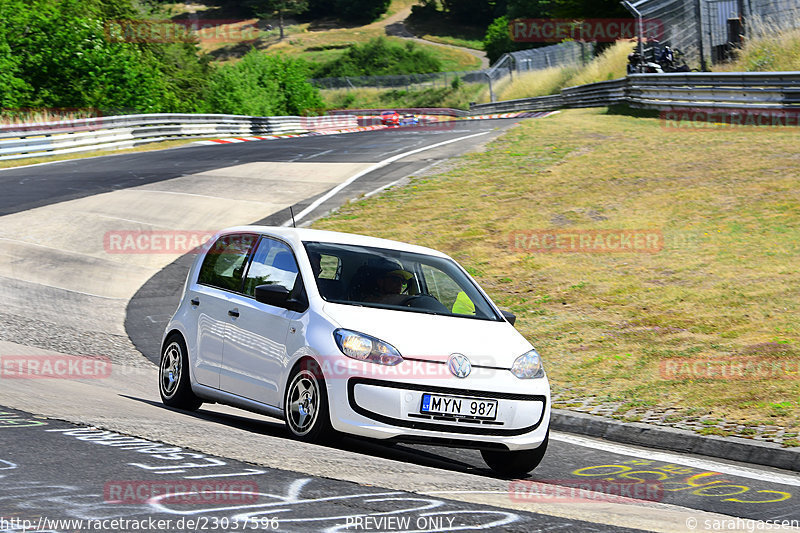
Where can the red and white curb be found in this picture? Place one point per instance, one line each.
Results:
(232, 140)
(433, 118)
(523, 114)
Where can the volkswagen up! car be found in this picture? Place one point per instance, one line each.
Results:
(338, 333)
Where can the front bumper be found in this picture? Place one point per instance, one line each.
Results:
(390, 409)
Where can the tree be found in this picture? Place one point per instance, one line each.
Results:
(268, 8)
(474, 12)
(69, 54)
(379, 57)
(361, 10)
(587, 9)
(261, 85)
(498, 40)
(529, 9)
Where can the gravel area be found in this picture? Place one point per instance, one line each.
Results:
(691, 419)
(68, 340)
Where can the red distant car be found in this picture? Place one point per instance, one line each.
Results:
(390, 118)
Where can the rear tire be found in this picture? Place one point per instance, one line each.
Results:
(516, 463)
(173, 376)
(306, 404)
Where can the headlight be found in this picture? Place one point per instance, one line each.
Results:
(365, 348)
(528, 366)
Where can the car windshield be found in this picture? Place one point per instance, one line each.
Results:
(394, 279)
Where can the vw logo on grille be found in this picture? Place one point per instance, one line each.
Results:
(459, 365)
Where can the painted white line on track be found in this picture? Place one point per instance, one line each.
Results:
(142, 222)
(73, 291)
(704, 464)
(179, 193)
(327, 196)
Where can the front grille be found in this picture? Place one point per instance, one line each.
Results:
(458, 419)
(429, 422)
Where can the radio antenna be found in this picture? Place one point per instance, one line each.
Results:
(291, 211)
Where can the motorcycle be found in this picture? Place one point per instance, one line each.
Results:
(665, 60)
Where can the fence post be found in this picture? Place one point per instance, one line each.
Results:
(491, 91)
(699, 16)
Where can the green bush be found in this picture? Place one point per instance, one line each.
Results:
(75, 54)
(59, 53)
(380, 57)
(262, 85)
(498, 39)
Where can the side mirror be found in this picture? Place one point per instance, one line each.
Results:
(276, 295)
(508, 315)
(280, 296)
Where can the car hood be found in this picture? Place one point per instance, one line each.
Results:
(433, 337)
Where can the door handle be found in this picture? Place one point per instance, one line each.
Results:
(194, 301)
(234, 313)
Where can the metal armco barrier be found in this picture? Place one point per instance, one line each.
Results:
(772, 90)
(18, 141)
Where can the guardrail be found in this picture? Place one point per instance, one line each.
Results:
(772, 90)
(18, 141)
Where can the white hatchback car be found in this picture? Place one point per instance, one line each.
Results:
(334, 332)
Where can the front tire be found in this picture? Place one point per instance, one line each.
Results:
(306, 404)
(516, 463)
(173, 376)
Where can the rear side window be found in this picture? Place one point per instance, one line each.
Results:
(224, 264)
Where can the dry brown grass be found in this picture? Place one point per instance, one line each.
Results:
(725, 285)
(777, 50)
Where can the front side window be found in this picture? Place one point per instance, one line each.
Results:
(273, 264)
(224, 263)
(393, 279)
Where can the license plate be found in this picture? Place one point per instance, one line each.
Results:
(436, 404)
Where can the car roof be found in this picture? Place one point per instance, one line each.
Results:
(297, 236)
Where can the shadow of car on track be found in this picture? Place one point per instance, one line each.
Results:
(457, 460)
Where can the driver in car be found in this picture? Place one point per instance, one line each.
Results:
(389, 286)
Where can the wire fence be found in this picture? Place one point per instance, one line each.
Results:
(568, 53)
(707, 31)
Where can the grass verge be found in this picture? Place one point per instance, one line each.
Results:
(369, 98)
(610, 65)
(723, 288)
(777, 50)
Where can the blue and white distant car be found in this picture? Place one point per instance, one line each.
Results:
(409, 119)
(335, 332)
